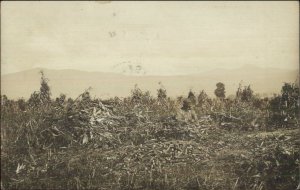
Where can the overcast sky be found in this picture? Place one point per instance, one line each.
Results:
(155, 38)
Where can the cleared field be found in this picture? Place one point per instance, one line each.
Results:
(142, 142)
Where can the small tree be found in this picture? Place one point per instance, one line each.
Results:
(186, 105)
(34, 99)
(247, 94)
(239, 92)
(138, 96)
(290, 98)
(220, 91)
(21, 104)
(161, 92)
(202, 97)
(192, 97)
(44, 89)
(61, 99)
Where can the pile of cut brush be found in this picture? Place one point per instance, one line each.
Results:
(141, 142)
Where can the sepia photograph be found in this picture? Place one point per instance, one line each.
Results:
(150, 95)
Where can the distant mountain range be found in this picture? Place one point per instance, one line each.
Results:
(265, 81)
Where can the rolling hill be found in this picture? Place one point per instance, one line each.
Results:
(73, 82)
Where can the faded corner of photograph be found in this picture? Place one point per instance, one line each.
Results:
(128, 95)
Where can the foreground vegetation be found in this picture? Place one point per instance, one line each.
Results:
(146, 142)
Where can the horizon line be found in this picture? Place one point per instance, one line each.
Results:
(147, 75)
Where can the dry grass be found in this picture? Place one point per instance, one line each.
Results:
(141, 142)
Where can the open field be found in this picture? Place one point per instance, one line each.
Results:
(146, 142)
(154, 95)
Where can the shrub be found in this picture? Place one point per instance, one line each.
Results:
(192, 97)
(220, 91)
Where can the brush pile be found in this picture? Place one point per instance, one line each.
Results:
(142, 142)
